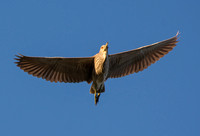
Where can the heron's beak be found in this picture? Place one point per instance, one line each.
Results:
(107, 45)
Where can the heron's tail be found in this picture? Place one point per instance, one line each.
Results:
(92, 89)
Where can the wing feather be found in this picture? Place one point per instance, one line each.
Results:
(57, 69)
(133, 61)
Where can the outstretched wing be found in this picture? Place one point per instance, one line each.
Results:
(57, 69)
(133, 61)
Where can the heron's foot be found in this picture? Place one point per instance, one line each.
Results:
(96, 99)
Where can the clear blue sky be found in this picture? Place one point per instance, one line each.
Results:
(162, 100)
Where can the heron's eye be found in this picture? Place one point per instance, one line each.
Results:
(102, 47)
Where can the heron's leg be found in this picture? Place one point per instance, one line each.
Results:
(95, 96)
(98, 95)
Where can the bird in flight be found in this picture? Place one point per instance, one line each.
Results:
(98, 68)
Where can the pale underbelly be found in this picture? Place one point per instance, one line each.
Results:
(101, 72)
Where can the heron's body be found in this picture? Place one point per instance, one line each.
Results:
(100, 72)
(98, 68)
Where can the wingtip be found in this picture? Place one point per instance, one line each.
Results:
(16, 62)
(178, 35)
(18, 58)
(19, 55)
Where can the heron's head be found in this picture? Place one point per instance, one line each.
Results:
(104, 48)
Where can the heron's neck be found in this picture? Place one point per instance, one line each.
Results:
(105, 54)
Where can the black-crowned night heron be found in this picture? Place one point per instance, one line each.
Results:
(98, 68)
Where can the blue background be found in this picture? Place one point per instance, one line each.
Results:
(162, 100)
